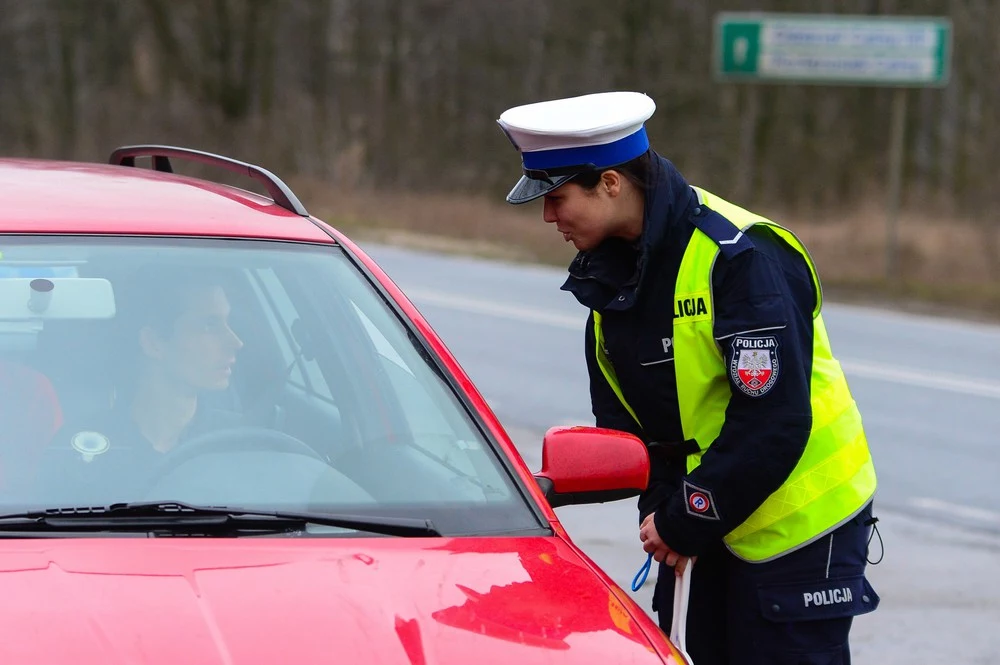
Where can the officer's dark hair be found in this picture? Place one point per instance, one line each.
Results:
(635, 171)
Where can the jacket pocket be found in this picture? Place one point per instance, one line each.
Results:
(831, 598)
(808, 623)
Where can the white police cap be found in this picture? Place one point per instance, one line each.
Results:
(562, 138)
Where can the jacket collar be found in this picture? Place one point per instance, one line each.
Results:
(611, 276)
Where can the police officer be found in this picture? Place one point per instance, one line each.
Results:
(705, 339)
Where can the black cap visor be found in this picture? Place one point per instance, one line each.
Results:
(529, 189)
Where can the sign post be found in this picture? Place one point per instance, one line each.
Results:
(827, 49)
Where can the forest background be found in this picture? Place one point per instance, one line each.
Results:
(381, 115)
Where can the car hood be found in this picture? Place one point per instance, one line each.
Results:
(310, 600)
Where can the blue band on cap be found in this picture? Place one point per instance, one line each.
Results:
(601, 156)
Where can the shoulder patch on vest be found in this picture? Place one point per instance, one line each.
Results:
(730, 239)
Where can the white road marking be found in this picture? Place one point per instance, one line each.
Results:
(955, 383)
(938, 323)
(511, 311)
(955, 510)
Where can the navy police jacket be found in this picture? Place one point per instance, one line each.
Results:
(766, 288)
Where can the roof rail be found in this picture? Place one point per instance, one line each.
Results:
(161, 154)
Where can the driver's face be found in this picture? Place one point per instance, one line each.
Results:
(201, 350)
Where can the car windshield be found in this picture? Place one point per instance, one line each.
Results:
(236, 373)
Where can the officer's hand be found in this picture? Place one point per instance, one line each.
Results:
(651, 542)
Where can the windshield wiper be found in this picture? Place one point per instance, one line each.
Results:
(175, 516)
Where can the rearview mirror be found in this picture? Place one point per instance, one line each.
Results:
(591, 465)
(40, 298)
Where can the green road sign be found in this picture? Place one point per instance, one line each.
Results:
(833, 49)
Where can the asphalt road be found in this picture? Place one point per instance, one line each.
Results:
(928, 390)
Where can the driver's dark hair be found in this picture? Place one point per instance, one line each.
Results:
(154, 296)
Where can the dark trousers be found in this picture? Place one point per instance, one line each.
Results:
(794, 610)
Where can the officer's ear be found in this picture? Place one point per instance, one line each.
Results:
(611, 183)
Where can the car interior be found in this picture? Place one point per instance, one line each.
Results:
(339, 407)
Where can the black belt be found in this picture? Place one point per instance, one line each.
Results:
(671, 450)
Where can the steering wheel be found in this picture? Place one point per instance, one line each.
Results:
(234, 439)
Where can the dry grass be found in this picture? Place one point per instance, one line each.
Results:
(462, 224)
(945, 264)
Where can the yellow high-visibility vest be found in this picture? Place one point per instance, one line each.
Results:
(835, 477)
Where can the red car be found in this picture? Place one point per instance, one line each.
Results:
(227, 437)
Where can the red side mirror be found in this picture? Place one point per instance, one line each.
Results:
(591, 465)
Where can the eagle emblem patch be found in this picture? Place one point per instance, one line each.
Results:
(754, 368)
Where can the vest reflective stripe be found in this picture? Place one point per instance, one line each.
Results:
(607, 368)
(834, 479)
